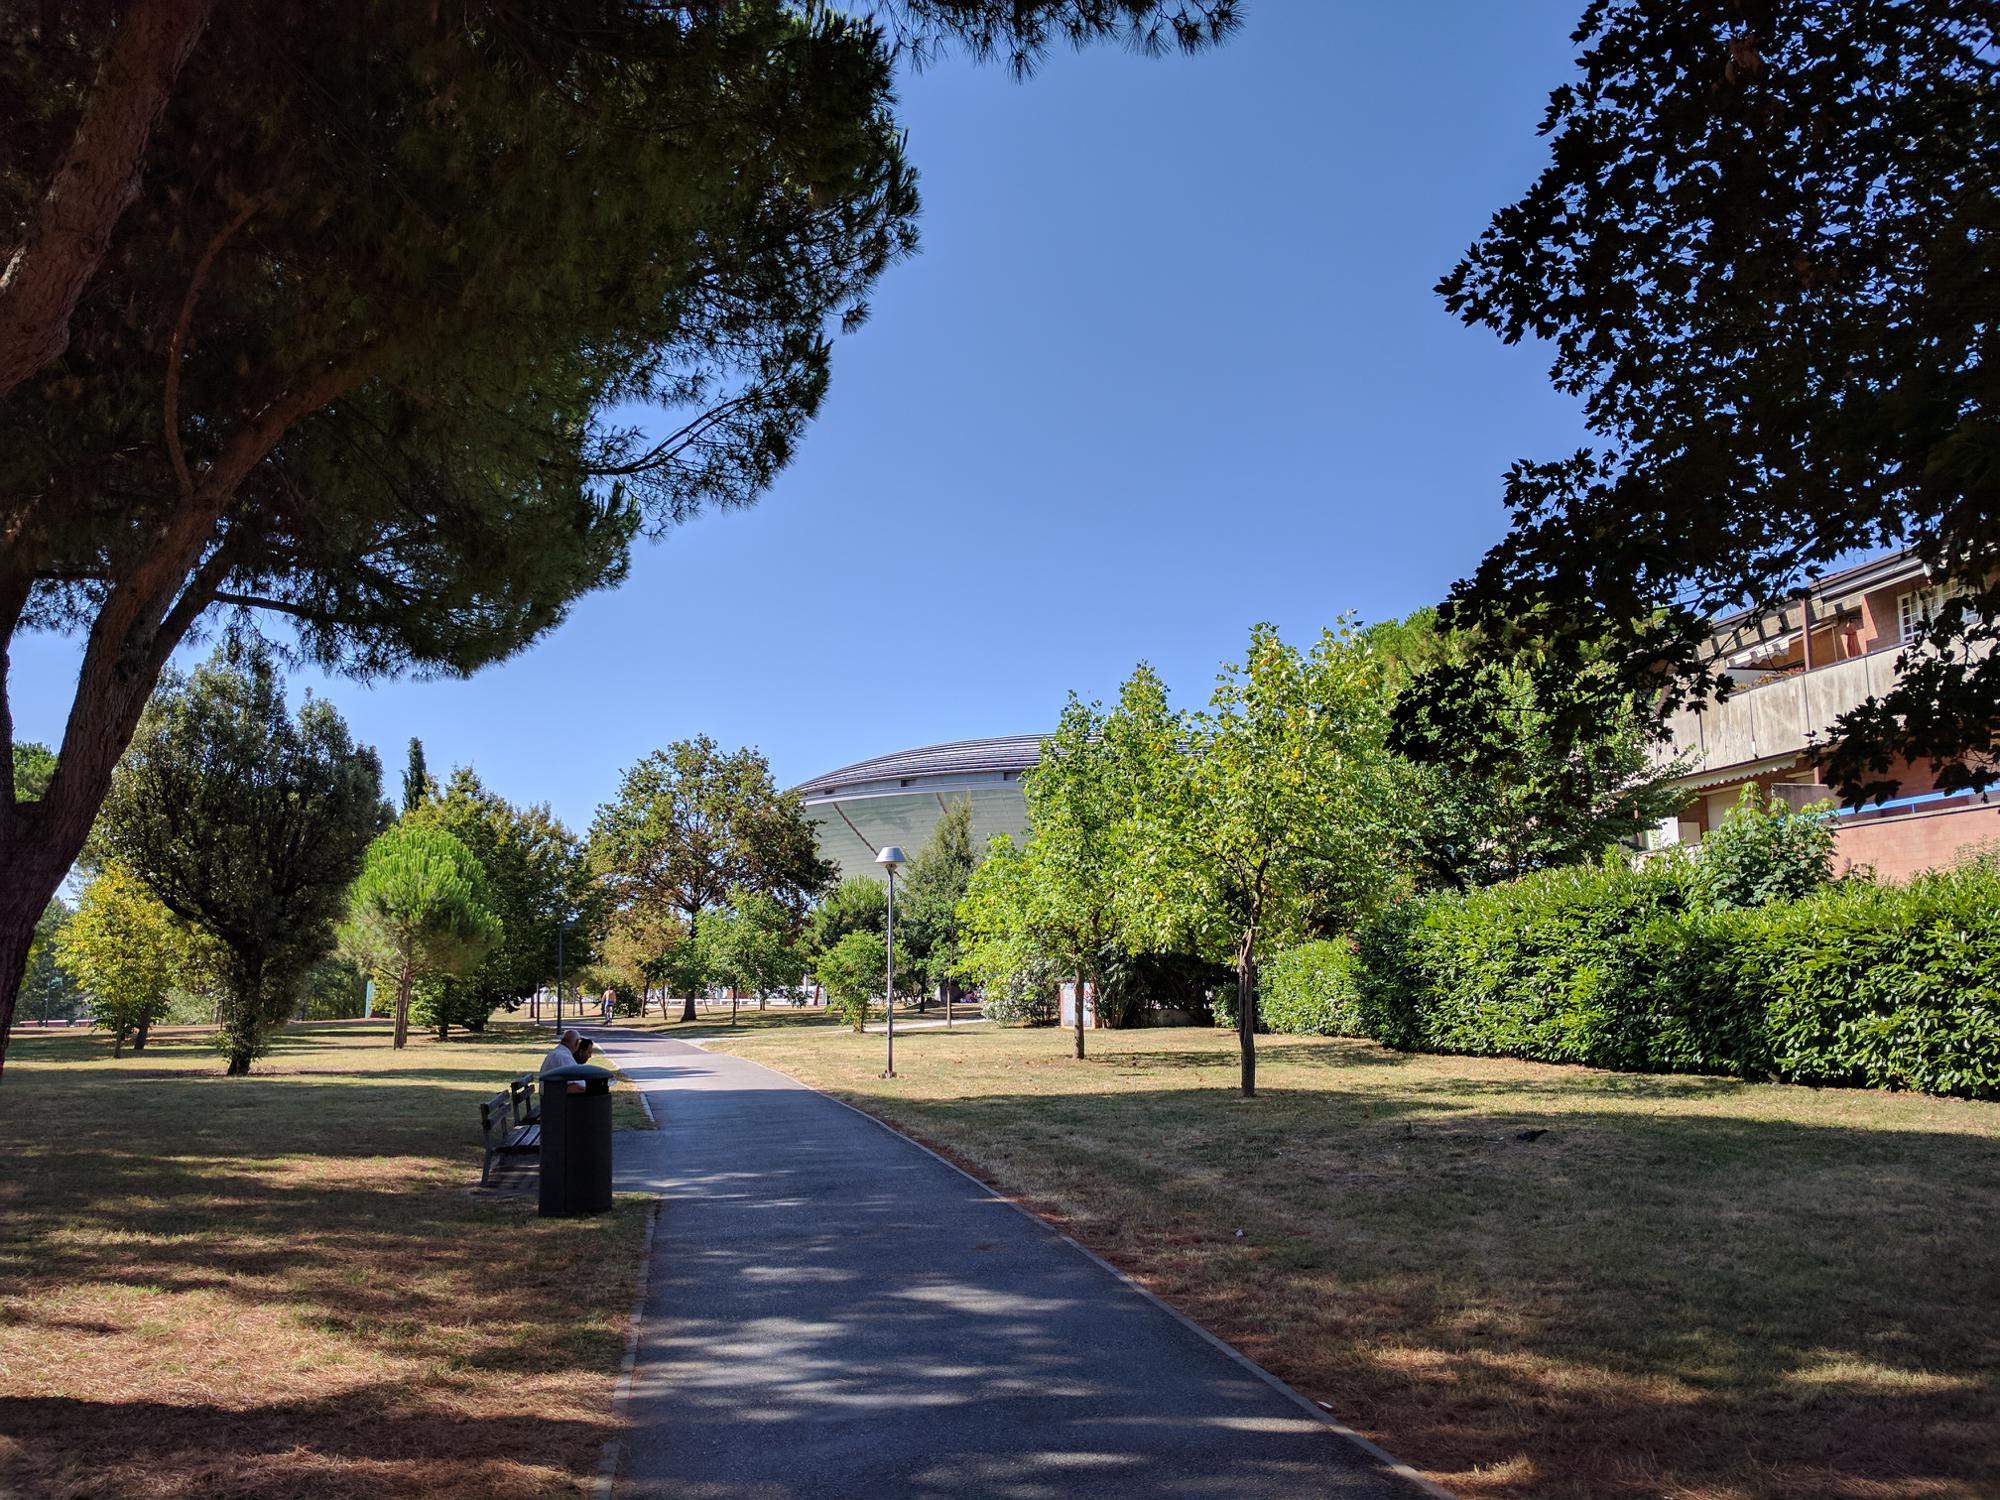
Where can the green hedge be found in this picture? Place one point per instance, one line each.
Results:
(1312, 990)
(1877, 985)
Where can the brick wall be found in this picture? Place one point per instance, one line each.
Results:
(1901, 847)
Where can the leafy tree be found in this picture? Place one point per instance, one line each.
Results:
(48, 993)
(417, 916)
(127, 952)
(636, 948)
(752, 946)
(1064, 901)
(1765, 850)
(1277, 815)
(248, 823)
(692, 824)
(326, 386)
(1074, 857)
(1003, 948)
(34, 767)
(1763, 251)
(537, 883)
(1495, 788)
(927, 911)
(857, 904)
(417, 784)
(851, 969)
(686, 965)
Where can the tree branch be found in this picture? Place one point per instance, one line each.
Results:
(94, 184)
(170, 402)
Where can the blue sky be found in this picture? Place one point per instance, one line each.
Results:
(1169, 363)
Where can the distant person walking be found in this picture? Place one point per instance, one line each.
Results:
(607, 1007)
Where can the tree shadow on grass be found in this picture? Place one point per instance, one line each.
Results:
(383, 1440)
(274, 1237)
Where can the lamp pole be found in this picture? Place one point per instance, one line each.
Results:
(889, 859)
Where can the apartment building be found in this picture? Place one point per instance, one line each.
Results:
(1796, 669)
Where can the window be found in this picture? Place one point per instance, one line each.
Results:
(1914, 608)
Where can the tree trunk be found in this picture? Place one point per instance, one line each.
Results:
(118, 1043)
(145, 1031)
(1246, 1016)
(38, 843)
(402, 1009)
(94, 183)
(732, 1005)
(1079, 1013)
(687, 1010)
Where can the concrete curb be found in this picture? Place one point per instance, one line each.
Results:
(621, 1394)
(1306, 1404)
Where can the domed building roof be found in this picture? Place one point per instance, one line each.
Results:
(898, 799)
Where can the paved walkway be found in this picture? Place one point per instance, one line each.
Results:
(835, 1313)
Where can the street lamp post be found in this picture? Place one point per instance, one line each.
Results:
(890, 859)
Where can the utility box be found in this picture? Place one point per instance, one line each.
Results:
(576, 1142)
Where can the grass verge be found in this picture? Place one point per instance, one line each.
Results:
(282, 1286)
(1528, 1281)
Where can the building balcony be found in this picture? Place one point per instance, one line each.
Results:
(1778, 720)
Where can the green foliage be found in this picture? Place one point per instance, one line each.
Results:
(441, 1002)
(852, 971)
(929, 893)
(537, 881)
(1313, 990)
(1855, 984)
(1006, 947)
(1025, 993)
(1280, 810)
(334, 989)
(417, 784)
(692, 824)
(47, 992)
(1732, 193)
(750, 945)
(33, 766)
(247, 822)
(857, 904)
(418, 919)
(1510, 769)
(1764, 852)
(1534, 968)
(126, 952)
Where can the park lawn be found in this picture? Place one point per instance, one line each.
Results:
(1528, 1281)
(282, 1285)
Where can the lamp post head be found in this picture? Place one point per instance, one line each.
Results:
(890, 858)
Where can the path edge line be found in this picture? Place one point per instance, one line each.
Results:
(1305, 1403)
(621, 1393)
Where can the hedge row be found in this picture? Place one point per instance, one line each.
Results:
(1883, 986)
(1312, 990)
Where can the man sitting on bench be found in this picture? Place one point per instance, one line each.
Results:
(563, 1055)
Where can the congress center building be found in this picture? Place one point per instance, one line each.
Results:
(898, 799)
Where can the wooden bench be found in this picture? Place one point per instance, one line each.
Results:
(504, 1135)
(526, 1092)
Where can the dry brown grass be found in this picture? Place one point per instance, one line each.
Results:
(282, 1286)
(1684, 1287)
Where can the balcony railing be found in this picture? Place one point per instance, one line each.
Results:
(1779, 718)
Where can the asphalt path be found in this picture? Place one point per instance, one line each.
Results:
(834, 1312)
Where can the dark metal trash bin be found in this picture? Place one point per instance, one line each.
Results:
(576, 1142)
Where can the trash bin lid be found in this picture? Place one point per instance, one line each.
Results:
(579, 1073)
